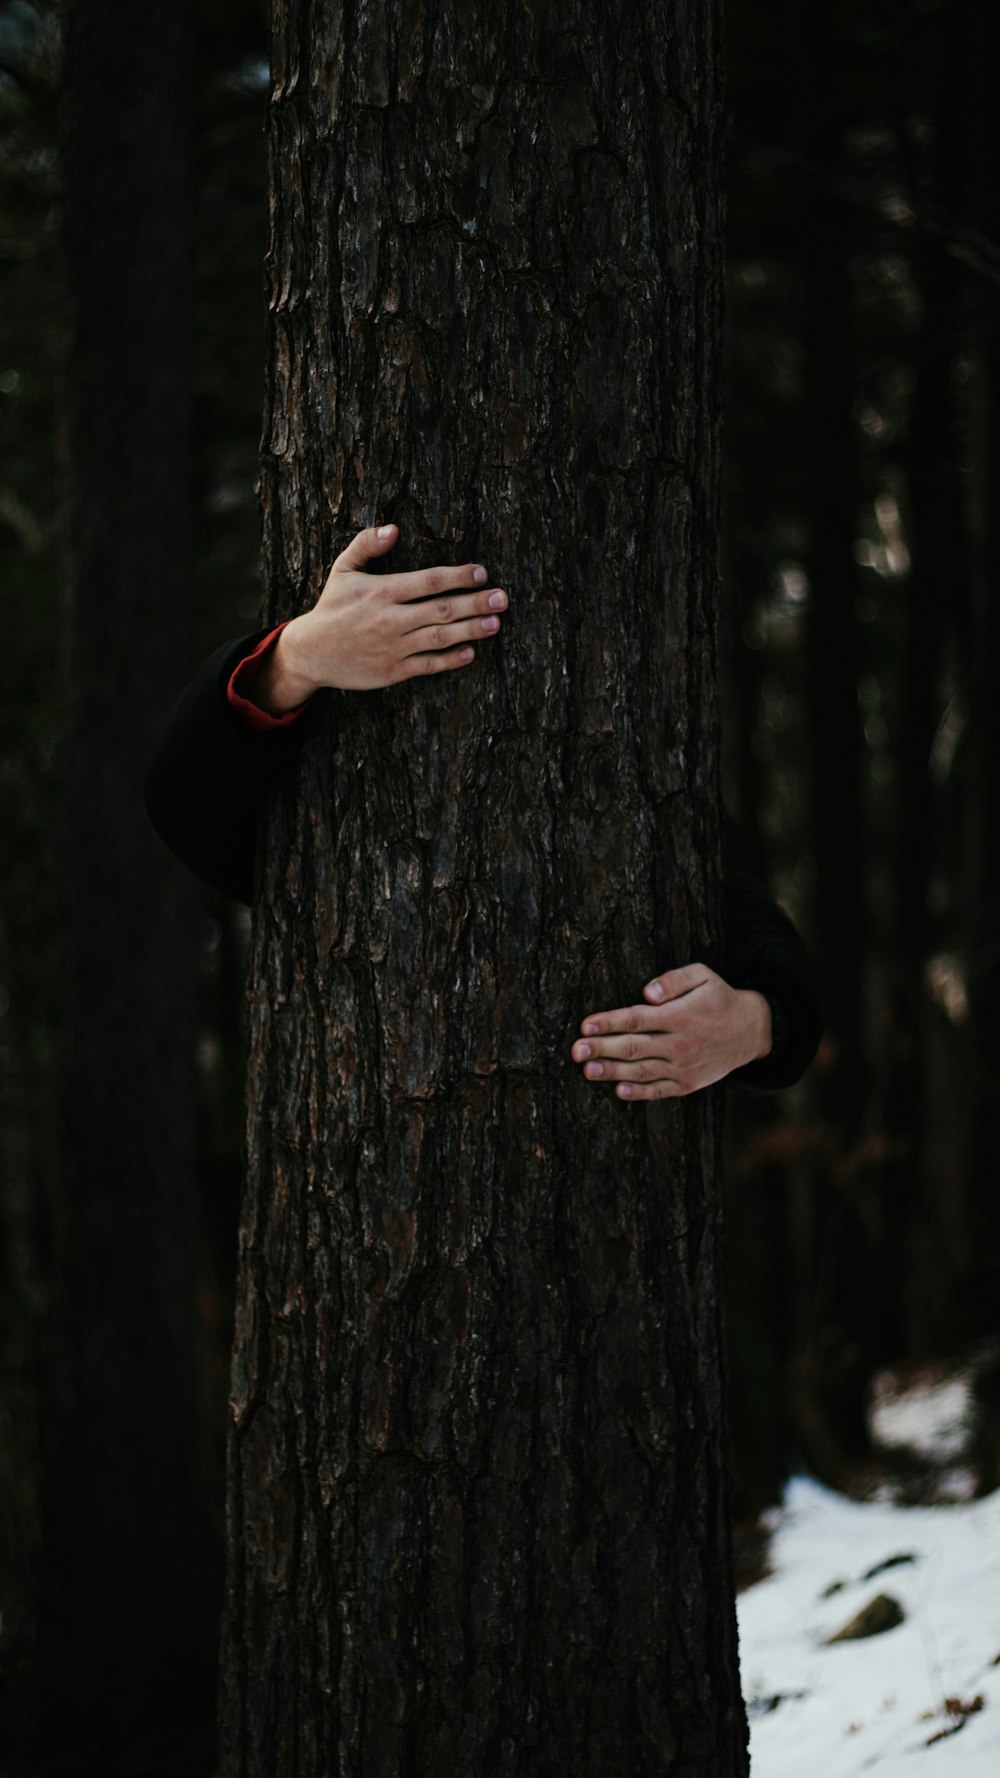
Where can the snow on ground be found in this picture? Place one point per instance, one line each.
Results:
(932, 1417)
(873, 1705)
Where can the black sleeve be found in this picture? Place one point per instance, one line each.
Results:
(209, 774)
(764, 951)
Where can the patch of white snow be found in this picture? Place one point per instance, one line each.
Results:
(933, 1418)
(873, 1705)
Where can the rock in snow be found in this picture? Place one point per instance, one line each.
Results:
(880, 1614)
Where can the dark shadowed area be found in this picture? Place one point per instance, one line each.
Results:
(861, 710)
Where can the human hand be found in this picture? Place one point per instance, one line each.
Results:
(693, 1030)
(372, 630)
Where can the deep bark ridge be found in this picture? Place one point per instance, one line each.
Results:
(478, 1510)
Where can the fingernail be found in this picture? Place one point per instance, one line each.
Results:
(625, 1090)
(590, 1030)
(495, 601)
(595, 1069)
(479, 575)
(654, 991)
(491, 623)
(466, 654)
(385, 531)
(583, 1051)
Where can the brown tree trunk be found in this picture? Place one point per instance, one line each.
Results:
(130, 1598)
(478, 1511)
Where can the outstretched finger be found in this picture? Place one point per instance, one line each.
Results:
(648, 1068)
(657, 1089)
(622, 1019)
(375, 540)
(429, 583)
(675, 982)
(416, 666)
(637, 1047)
(436, 637)
(449, 608)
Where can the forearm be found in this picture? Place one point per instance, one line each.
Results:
(209, 775)
(764, 953)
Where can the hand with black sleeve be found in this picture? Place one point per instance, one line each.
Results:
(757, 1025)
(235, 726)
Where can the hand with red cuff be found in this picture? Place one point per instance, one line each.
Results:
(371, 630)
(693, 1030)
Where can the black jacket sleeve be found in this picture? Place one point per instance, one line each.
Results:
(209, 774)
(764, 951)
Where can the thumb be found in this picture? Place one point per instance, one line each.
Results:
(675, 982)
(373, 541)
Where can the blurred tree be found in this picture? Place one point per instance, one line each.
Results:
(130, 1589)
(833, 659)
(889, 1234)
(831, 1374)
(30, 731)
(764, 732)
(229, 244)
(934, 616)
(477, 1511)
(979, 1269)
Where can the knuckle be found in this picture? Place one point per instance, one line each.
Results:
(444, 609)
(434, 580)
(439, 637)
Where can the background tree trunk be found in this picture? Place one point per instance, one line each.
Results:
(902, 1213)
(478, 1514)
(979, 1265)
(828, 1374)
(130, 1594)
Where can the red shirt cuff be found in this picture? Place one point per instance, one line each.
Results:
(240, 690)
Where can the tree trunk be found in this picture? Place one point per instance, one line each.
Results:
(900, 1207)
(834, 635)
(828, 1374)
(131, 1597)
(979, 1265)
(478, 1509)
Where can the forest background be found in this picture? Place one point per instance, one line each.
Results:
(861, 698)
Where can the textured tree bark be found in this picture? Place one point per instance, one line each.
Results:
(130, 1597)
(477, 1497)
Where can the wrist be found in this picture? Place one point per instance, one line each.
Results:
(760, 1032)
(283, 681)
